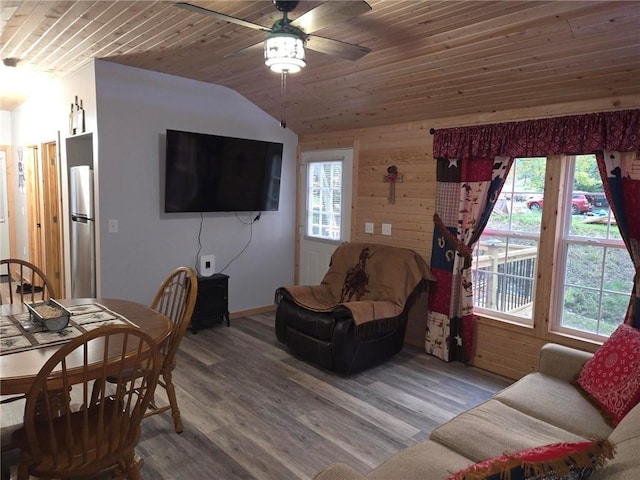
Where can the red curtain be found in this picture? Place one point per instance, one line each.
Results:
(572, 135)
(622, 187)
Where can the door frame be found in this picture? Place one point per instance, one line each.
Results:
(52, 231)
(44, 207)
(325, 154)
(32, 169)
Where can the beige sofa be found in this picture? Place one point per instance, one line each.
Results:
(541, 408)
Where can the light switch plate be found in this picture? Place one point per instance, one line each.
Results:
(386, 229)
(368, 227)
(113, 226)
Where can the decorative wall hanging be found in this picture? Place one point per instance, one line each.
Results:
(392, 177)
(21, 175)
(76, 118)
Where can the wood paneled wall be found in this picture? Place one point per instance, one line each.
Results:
(409, 147)
(509, 350)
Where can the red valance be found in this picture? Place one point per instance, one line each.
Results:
(576, 134)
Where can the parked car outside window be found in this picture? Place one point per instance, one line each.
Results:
(579, 204)
(597, 199)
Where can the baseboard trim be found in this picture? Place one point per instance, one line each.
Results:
(252, 311)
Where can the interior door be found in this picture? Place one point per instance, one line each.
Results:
(51, 218)
(325, 184)
(34, 204)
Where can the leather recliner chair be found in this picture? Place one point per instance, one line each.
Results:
(357, 316)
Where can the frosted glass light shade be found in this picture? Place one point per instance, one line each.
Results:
(284, 52)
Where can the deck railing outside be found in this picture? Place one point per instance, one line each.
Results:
(501, 281)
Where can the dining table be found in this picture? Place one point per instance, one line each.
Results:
(24, 352)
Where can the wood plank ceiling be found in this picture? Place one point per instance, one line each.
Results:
(428, 59)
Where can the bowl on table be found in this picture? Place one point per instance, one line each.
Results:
(50, 314)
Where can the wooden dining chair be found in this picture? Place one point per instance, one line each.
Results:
(92, 430)
(26, 283)
(176, 298)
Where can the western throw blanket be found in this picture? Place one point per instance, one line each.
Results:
(372, 282)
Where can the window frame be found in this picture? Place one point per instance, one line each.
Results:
(549, 285)
(564, 239)
(308, 210)
(517, 235)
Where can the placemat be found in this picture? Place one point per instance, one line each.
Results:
(19, 333)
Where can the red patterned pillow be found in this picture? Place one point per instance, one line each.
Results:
(611, 378)
(558, 461)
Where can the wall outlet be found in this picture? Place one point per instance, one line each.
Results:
(386, 229)
(207, 265)
(368, 227)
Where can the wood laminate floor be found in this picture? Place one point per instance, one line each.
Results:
(252, 411)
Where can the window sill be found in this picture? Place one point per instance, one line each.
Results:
(503, 323)
(323, 240)
(561, 338)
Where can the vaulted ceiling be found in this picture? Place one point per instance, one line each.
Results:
(428, 59)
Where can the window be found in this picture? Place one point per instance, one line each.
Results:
(504, 269)
(593, 272)
(595, 268)
(324, 200)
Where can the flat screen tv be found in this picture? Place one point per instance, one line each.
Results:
(213, 173)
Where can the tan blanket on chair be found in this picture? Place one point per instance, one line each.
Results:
(372, 281)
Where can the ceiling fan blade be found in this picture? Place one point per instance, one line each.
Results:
(348, 51)
(221, 16)
(330, 13)
(257, 47)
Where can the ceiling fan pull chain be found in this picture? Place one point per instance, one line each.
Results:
(283, 100)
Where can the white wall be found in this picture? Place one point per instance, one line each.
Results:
(134, 109)
(128, 111)
(5, 139)
(34, 122)
(5, 127)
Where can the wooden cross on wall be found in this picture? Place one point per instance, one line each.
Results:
(392, 177)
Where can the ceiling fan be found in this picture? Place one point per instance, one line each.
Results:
(286, 40)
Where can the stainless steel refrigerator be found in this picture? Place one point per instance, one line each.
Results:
(83, 251)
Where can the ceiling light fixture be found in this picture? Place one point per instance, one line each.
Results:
(20, 81)
(10, 61)
(284, 52)
(284, 46)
